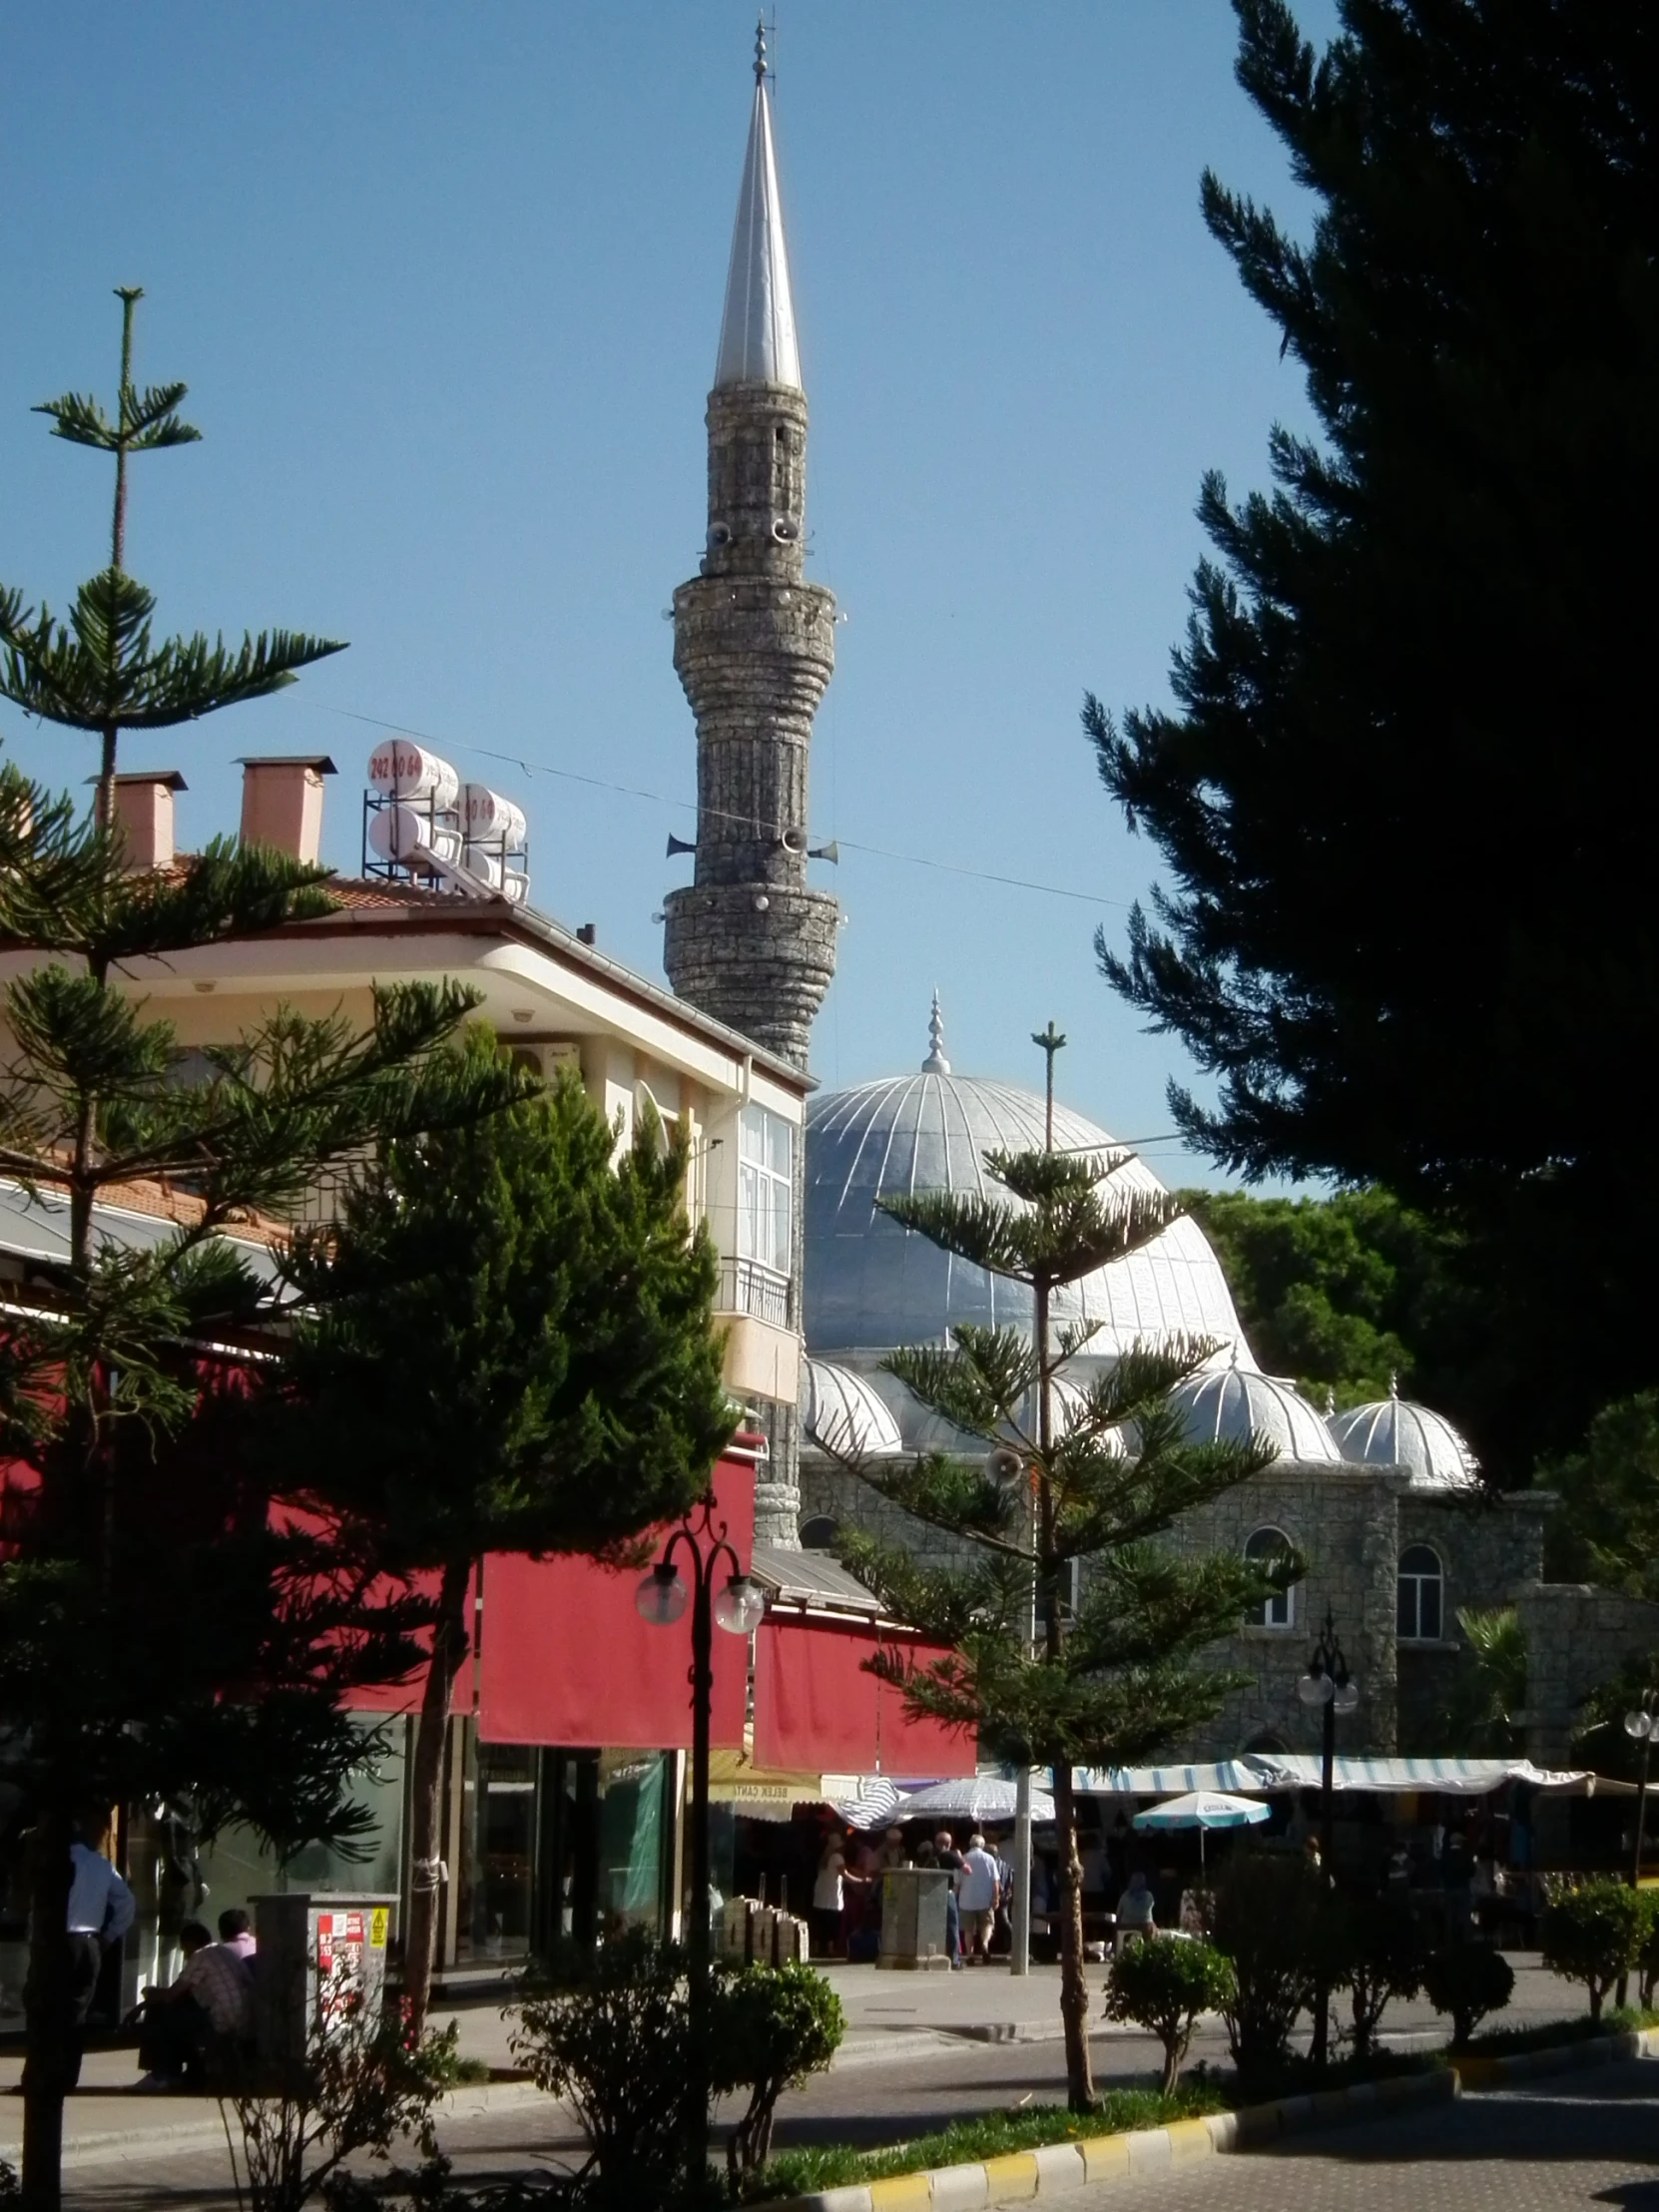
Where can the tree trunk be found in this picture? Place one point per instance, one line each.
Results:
(49, 2047)
(449, 1649)
(1074, 1990)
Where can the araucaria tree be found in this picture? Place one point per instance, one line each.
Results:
(509, 1347)
(1073, 1638)
(1404, 790)
(160, 1634)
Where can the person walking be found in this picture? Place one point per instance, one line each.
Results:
(978, 1899)
(947, 1855)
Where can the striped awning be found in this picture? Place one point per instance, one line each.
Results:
(1261, 1772)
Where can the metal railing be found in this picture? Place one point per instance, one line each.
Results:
(745, 1287)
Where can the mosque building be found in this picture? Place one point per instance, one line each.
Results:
(1384, 1500)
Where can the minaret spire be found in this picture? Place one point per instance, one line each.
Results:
(749, 940)
(758, 341)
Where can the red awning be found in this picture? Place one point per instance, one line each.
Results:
(816, 1705)
(566, 1658)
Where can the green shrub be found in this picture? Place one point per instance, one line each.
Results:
(1381, 1956)
(1594, 1935)
(611, 2036)
(770, 2026)
(1648, 1958)
(1163, 1986)
(1466, 1982)
(1272, 1917)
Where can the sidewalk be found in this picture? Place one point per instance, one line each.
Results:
(897, 2021)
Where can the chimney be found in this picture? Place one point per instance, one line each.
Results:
(144, 817)
(281, 803)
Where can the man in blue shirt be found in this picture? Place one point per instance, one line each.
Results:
(101, 1910)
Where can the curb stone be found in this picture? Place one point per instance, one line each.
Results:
(1078, 2168)
(1594, 2050)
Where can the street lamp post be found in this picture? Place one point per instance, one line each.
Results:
(736, 1606)
(1328, 1684)
(1642, 1724)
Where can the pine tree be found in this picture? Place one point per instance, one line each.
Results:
(508, 1347)
(100, 671)
(1073, 1638)
(1404, 790)
(133, 1666)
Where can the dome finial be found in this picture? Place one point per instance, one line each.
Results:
(935, 1062)
(1393, 1382)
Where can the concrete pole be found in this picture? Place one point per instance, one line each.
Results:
(1019, 1956)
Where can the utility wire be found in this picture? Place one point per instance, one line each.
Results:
(661, 798)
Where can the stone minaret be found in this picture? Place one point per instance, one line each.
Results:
(748, 941)
(753, 643)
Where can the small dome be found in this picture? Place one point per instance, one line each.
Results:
(1395, 1433)
(840, 1411)
(1229, 1405)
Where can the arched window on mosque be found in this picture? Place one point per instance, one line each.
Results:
(1278, 1611)
(1419, 1609)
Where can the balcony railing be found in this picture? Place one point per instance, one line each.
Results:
(745, 1287)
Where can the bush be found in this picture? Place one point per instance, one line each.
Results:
(1381, 1956)
(611, 2036)
(1163, 1986)
(1466, 1982)
(1273, 1920)
(363, 2084)
(770, 2027)
(1594, 1935)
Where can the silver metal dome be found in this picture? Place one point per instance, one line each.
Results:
(872, 1283)
(1230, 1406)
(1395, 1433)
(840, 1411)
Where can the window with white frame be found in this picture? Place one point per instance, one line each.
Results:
(1279, 1610)
(1420, 1603)
(765, 1188)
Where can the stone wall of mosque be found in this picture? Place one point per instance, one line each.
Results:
(1489, 1550)
(1352, 1525)
(1344, 1521)
(1577, 1637)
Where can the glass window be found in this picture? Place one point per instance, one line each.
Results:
(498, 1850)
(765, 1188)
(1420, 1588)
(1278, 1611)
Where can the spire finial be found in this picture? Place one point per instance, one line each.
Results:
(1393, 1382)
(760, 50)
(935, 1062)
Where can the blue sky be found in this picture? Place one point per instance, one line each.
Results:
(445, 284)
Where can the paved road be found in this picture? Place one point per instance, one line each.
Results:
(1587, 2140)
(1582, 2139)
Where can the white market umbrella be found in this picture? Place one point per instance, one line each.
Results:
(978, 1797)
(1204, 1809)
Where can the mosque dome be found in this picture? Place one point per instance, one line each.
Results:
(1395, 1433)
(870, 1284)
(1230, 1406)
(840, 1411)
